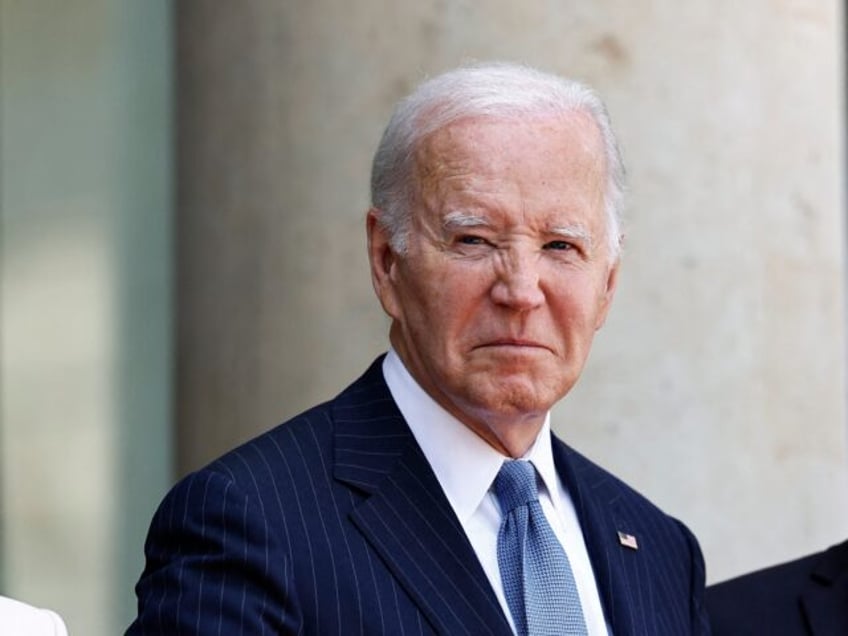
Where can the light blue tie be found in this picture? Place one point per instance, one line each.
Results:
(537, 578)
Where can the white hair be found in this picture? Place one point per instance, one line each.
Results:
(502, 90)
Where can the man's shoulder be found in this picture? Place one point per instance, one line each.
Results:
(636, 548)
(313, 427)
(784, 581)
(769, 599)
(601, 482)
(593, 487)
(309, 437)
(767, 583)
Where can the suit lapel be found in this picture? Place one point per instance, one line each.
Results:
(406, 517)
(615, 566)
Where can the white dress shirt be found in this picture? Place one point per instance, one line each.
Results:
(20, 619)
(466, 466)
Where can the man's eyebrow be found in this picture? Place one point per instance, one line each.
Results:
(573, 232)
(454, 220)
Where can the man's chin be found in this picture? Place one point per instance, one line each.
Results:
(513, 400)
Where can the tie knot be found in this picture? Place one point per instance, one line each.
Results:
(515, 485)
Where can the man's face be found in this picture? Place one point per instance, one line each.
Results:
(508, 273)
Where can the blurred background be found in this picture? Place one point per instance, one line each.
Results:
(182, 256)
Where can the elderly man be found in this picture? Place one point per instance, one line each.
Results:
(430, 496)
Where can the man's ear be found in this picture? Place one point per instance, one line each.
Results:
(383, 261)
(608, 292)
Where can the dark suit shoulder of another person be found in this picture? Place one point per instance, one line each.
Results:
(808, 596)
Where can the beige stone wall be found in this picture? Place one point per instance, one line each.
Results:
(85, 301)
(718, 385)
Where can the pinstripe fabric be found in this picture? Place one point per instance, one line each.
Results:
(334, 523)
(657, 589)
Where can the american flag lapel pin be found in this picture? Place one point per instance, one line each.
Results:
(628, 540)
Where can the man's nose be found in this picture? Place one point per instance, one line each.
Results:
(518, 282)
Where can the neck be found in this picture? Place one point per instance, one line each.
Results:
(512, 439)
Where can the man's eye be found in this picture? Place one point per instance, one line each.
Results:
(559, 245)
(469, 239)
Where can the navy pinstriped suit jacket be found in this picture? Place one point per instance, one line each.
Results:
(334, 523)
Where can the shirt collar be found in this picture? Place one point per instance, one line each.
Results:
(464, 463)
